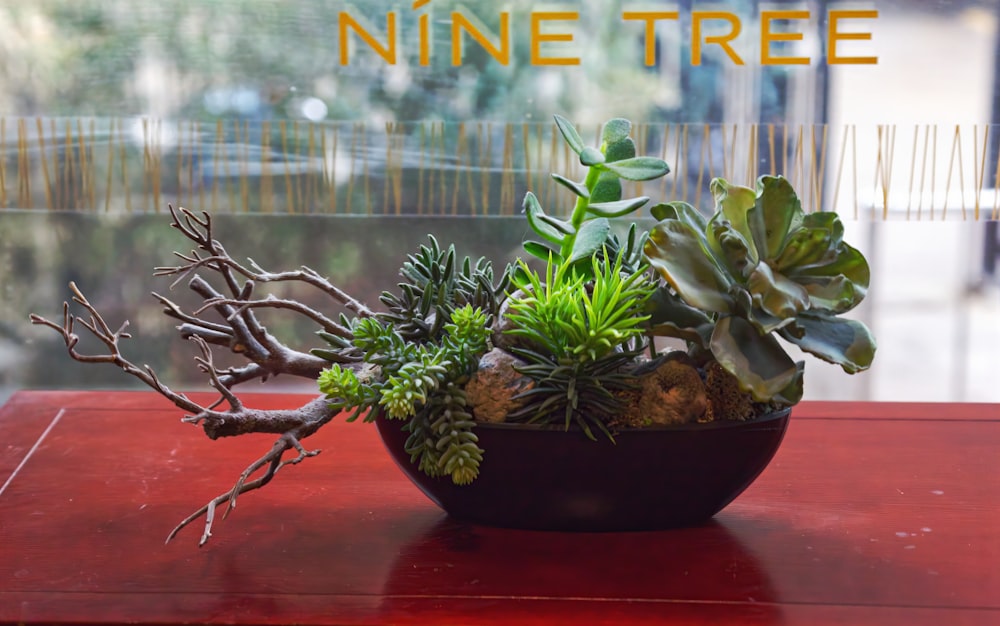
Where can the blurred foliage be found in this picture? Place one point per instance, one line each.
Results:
(170, 58)
(261, 59)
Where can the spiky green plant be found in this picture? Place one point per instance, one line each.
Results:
(580, 331)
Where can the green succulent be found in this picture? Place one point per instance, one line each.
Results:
(760, 267)
(423, 349)
(580, 335)
(575, 240)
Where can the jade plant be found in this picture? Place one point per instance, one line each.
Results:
(565, 338)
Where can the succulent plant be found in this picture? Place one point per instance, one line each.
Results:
(575, 240)
(760, 267)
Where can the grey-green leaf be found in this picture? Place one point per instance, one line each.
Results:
(591, 156)
(592, 235)
(577, 188)
(533, 210)
(607, 189)
(639, 168)
(569, 133)
(617, 209)
(541, 251)
(615, 130)
(758, 361)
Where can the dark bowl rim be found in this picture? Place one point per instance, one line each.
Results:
(696, 426)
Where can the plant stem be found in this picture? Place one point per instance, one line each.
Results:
(579, 212)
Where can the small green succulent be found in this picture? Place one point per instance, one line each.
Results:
(579, 334)
(584, 321)
(421, 351)
(760, 266)
(587, 230)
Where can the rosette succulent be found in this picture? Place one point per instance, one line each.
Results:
(760, 267)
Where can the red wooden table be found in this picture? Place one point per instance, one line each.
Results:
(871, 513)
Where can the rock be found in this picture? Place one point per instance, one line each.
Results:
(671, 394)
(500, 338)
(491, 390)
(725, 398)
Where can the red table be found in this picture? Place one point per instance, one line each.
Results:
(871, 513)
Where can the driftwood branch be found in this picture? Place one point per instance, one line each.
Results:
(199, 230)
(239, 331)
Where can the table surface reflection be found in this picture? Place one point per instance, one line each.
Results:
(871, 513)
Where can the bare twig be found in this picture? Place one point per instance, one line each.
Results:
(103, 332)
(273, 460)
(239, 332)
(199, 230)
(272, 302)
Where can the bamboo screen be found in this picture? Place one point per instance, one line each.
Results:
(137, 165)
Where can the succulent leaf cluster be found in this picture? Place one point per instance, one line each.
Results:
(424, 346)
(761, 267)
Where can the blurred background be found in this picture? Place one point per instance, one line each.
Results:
(110, 110)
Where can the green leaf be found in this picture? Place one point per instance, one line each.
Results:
(848, 261)
(607, 189)
(615, 130)
(638, 168)
(590, 156)
(682, 211)
(591, 237)
(779, 208)
(775, 293)
(790, 395)
(534, 212)
(730, 247)
(541, 251)
(766, 323)
(847, 343)
(736, 204)
(836, 294)
(678, 252)
(758, 361)
(573, 139)
(671, 317)
(618, 208)
(577, 188)
(805, 246)
(619, 150)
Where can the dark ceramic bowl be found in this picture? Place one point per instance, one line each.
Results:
(540, 478)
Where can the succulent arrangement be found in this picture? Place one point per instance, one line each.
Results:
(566, 339)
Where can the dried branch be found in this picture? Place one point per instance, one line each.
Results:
(291, 425)
(100, 329)
(273, 461)
(272, 302)
(199, 230)
(239, 332)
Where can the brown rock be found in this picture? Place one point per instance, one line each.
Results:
(491, 390)
(671, 394)
(725, 398)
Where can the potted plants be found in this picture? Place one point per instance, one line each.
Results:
(536, 396)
